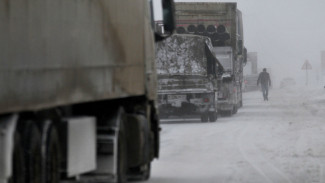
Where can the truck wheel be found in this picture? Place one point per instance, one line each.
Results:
(229, 113)
(52, 157)
(18, 171)
(141, 173)
(146, 172)
(32, 148)
(212, 116)
(122, 154)
(204, 117)
(234, 111)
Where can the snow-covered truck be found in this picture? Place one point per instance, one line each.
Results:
(222, 23)
(187, 77)
(78, 90)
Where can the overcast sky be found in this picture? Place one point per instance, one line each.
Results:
(285, 33)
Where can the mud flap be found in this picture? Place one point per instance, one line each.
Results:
(7, 129)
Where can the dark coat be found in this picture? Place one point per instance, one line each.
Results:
(264, 79)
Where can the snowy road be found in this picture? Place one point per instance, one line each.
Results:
(279, 141)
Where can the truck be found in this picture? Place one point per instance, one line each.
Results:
(187, 77)
(222, 23)
(251, 73)
(78, 90)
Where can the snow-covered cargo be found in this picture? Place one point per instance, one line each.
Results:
(185, 55)
(187, 76)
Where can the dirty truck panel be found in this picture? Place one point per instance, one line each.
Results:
(83, 52)
(215, 20)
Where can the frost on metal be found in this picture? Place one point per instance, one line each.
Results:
(187, 76)
(185, 62)
(182, 55)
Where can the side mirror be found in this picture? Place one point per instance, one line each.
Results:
(245, 56)
(168, 20)
(240, 47)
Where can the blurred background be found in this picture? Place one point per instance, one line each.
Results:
(284, 34)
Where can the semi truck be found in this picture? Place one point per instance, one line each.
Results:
(187, 77)
(222, 23)
(251, 72)
(78, 90)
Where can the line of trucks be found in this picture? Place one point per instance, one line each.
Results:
(78, 95)
(200, 68)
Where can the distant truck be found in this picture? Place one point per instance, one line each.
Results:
(250, 82)
(251, 72)
(78, 90)
(222, 23)
(188, 72)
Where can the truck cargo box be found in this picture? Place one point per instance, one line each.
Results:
(219, 21)
(85, 51)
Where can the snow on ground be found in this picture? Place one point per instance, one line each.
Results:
(278, 141)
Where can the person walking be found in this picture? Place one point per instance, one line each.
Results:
(265, 80)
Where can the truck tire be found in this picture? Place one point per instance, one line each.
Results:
(52, 158)
(234, 111)
(122, 154)
(141, 173)
(204, 117)
(18, 171)
(212, 116)
(227, 113)
(32, 152)
(146, 172)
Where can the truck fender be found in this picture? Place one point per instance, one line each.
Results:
(7, 130)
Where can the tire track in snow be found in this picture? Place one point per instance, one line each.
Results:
(315, 169)
(254, 157)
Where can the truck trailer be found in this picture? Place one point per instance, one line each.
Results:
(222, 23)
(251, 72)
(78, 90)
(187, 77)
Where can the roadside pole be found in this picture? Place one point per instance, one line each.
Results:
(306, 66)
(306, 77)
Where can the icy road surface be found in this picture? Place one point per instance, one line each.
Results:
(279, 141)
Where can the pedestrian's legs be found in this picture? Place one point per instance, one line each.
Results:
(264, 92)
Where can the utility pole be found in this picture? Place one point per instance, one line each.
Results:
(306, 66)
